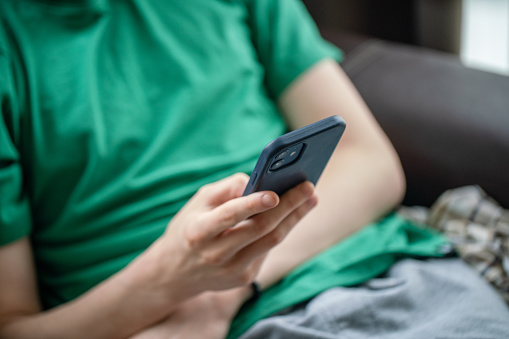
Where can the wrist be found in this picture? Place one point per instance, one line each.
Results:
(232, 299)
(148, 277)
(238, 296)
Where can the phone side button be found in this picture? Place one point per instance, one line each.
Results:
(254, 176)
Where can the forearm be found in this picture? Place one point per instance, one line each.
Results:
(363, 180)
(356, 189)
(116, 308)
(213, 311)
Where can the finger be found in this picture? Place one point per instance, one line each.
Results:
(219, 192)
(260, 247)
(236, 210)
(264, 223)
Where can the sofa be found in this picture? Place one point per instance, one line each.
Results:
(449, 123)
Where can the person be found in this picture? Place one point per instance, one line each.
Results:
(127, 131)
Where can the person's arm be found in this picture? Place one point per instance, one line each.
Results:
(95, 315)
(200, 251)
(363, 180)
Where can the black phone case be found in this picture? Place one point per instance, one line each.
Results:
(318, 141)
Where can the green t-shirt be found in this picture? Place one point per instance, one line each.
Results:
(113, 113)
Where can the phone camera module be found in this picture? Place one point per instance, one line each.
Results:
(286, 157)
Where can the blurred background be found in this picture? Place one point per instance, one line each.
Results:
(477, 30)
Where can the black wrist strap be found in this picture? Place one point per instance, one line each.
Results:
(256, 292)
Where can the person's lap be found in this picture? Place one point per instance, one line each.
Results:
(436, 298)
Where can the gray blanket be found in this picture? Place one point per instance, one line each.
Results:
(435, 298)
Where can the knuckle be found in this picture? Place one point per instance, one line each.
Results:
(300, 213)
(296, 216)
(259, 227)
(203, 189)
(275, 237)
(195, 236)
(194, 240)
(301, 192)
(213, 258)
(295, 198)
(252, 204)
(227, 218)
(240, 178)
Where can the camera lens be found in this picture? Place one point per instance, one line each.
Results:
(282, 155)
(277, 164)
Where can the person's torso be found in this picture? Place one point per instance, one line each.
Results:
(129, 107)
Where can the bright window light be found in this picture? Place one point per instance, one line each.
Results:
(485, 35)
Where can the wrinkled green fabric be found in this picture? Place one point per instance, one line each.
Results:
(358, 258)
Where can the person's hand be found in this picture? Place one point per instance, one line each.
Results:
(207, 315)
(216, 240)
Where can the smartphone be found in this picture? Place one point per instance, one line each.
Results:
(296, 157)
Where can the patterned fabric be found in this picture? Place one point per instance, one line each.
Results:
(477, 226)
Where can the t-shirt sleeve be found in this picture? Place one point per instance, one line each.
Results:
(287, 41)
(15, 218)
